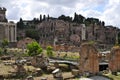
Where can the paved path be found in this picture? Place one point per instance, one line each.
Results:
(95, 78)
(99, 78)
(64, 62)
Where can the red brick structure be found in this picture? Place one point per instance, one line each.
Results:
(23, 43)
(89, 61)
(114, 60)
(92, 61)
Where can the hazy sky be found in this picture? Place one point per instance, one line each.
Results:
(106, 10)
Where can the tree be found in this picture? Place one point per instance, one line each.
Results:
(0, 51)
(78, 18)
(5, 43)
(32, 33)
(118, 38)
(44, 17)
(48, 17)
(20, 24)
(49, 51)
(103, 23)
(65, 18)
(34, 49)
(40, 18)
(35, 20)
(75, 18)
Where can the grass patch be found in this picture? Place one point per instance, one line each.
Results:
(114, 77)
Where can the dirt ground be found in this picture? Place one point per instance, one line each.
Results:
(66, 76)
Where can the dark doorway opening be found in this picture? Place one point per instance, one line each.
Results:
(103, 67)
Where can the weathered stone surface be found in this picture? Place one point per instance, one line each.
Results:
(3, 14)
(74, 34)
(114, 60)
(20, 69)
(75, 72)
(88, 59)
(40, 61)
(7, 30)
(23, 43)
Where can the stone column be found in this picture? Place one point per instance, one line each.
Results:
(14, 32)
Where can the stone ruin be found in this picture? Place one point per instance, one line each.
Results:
(89, 62)
(40, 61)
(20, 69)
(114, 60)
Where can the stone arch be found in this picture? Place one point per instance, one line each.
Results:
(89, 61)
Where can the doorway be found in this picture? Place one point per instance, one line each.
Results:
(103, 67)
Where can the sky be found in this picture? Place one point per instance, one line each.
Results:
(105, 10)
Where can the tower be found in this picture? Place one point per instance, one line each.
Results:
(3, 14)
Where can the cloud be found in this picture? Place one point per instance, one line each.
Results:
(111, 13)
(66, 3)
(106, 10)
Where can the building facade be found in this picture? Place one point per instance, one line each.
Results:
(74, 34)
(7, 29)
(60, 31)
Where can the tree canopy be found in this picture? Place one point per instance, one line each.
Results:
(65, 18)
(4, 43)
(78, 18)
(118, 38)
(32, 33)
(20, 24)
(34, 49)
(49, 51)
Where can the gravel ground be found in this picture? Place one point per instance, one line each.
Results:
(66, 75)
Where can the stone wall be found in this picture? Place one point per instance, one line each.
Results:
(74, 33)
(8, 31)
(23, 43)
(114, 60)
(88, 59)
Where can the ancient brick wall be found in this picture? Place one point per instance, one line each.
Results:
(88, 59)
(23, 43)
(114, 60)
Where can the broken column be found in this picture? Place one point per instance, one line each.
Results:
(57, 74)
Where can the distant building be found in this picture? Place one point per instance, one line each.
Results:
(7, 30)
(3, 14)
(74, 33)
(64, 32)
